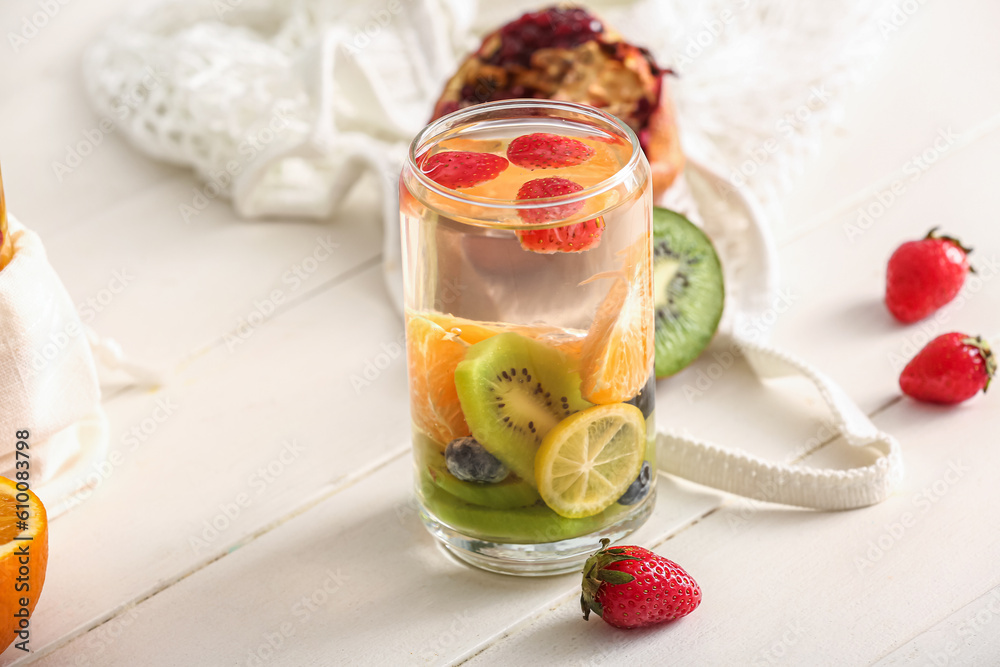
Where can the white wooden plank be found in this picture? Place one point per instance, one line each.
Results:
(236, 409)
(838, 318)
(967, 637)
(221, 450)
(190, 284)
(45, 113)
(910, 93)
(365, 547)
(817, 588)
(766, 422)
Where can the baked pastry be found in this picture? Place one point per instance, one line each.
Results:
(566, 53)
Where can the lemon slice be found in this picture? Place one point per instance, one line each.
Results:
(586, 462)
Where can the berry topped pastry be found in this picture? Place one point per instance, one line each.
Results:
(567, 53)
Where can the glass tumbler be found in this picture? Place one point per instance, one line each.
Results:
(527, 256)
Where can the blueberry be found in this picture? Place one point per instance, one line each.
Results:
(645, 400)
(470, 462)
(639, 488)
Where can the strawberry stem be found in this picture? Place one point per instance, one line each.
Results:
(988, 358)
(932, 234)
(595, 573)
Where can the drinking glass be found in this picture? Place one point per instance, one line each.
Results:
(527, 255)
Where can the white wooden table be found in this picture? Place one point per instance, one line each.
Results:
(268, 518)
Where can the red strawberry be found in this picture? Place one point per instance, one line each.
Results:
(541, 188)
(632, 587)
(577, 237)
(925, 275)
(547, 151)
(570, 238)
(462, 169)
(950, 369)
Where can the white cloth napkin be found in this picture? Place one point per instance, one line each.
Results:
(48, 383)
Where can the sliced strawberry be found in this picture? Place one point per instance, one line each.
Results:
(568, 238)
(547, 151)
(462, 169)
(542, 188)
(571, 238)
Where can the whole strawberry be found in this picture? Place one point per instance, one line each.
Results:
(925, 275)
(632, 587)
(950, 369)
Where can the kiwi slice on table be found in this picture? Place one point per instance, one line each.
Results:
(688, 291)
(513, 391)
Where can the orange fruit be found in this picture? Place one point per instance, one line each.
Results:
(473, 332)
(432, 355)
(617, 354)
(24, 553)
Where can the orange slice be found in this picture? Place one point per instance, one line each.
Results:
(617, 354)
(432, 355)
(473, 332)
(21, 548)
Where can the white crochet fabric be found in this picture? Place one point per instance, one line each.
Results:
(284, 105)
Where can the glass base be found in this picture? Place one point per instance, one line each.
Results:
(533, 560)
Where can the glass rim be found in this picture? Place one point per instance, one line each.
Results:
(434, 128)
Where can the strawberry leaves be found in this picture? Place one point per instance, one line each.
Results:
(595, 573)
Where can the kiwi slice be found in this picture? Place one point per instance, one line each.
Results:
(513, 390)
(525, 525)
(688, 291)
(508, 494)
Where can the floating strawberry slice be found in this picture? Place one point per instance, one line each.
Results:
(568, 238)
(462, 169)
(547, 151)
